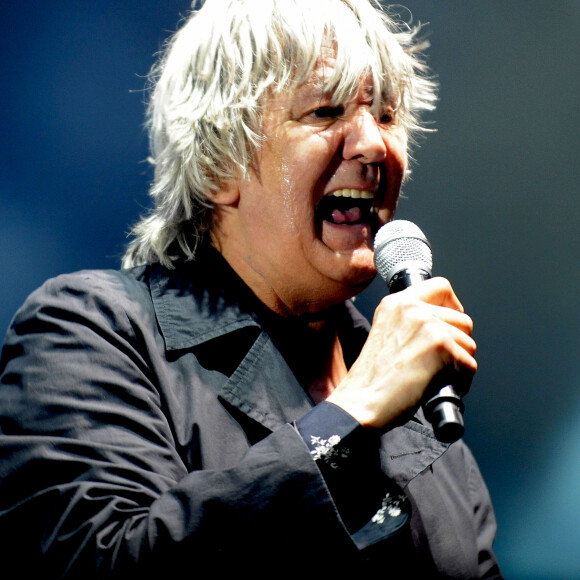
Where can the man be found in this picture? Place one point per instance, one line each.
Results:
(220, 404)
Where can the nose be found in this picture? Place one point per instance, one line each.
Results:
(363, 139)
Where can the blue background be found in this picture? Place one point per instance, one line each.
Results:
(495, 190)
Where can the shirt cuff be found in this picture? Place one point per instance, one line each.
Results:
(331, 435)
(371, 506)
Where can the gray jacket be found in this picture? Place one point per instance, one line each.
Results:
(147, 425)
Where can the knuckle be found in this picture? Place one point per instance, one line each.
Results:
(442, 284)
(442, 343)
(442, 281)
(433, 332)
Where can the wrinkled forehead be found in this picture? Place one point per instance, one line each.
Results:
(344, 61)
(338, 76)
(333, 74)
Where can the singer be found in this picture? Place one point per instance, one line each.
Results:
(218, 405)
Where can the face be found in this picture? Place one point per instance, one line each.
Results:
(300, 230)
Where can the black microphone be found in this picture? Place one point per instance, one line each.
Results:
(403, 257)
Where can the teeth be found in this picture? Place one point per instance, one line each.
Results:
(355, 193)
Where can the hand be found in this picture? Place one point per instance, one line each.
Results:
(416, 333)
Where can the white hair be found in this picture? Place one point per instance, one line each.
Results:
(204, 114)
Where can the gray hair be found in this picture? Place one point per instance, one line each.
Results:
(204, 114)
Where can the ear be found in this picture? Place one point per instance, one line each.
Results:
(227, 194)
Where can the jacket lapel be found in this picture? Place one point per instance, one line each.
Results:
(264, 388)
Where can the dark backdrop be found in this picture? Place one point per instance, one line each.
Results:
(495, 190)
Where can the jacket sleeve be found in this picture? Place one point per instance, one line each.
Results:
(484, 521)
(91, 482)
(454, 520)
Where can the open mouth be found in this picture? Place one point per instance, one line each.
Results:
(346, 207)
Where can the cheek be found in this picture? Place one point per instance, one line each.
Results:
(396, 143)
(303, 165)
(307, 148)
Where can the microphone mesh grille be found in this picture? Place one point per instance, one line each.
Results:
(401, 241)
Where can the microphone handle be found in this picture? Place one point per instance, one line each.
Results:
(444, 408)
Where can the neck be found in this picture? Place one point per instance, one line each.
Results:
(313, 351)
(331, 372)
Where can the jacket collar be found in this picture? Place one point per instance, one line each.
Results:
(204, 300)
(199, 301)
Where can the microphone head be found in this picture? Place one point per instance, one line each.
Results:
(401, 244)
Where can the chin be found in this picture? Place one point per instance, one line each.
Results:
(359, 263)
(355, 281)
(362, 283)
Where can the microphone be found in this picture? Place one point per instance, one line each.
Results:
(403, 257)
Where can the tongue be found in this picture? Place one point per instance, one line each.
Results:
(349, 216)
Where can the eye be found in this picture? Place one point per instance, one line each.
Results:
(388, 117)
(328, 112)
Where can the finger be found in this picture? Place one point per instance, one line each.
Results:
(459, 320)
(465, 342)
(437, 291)
(460, 349)
(450, 344)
